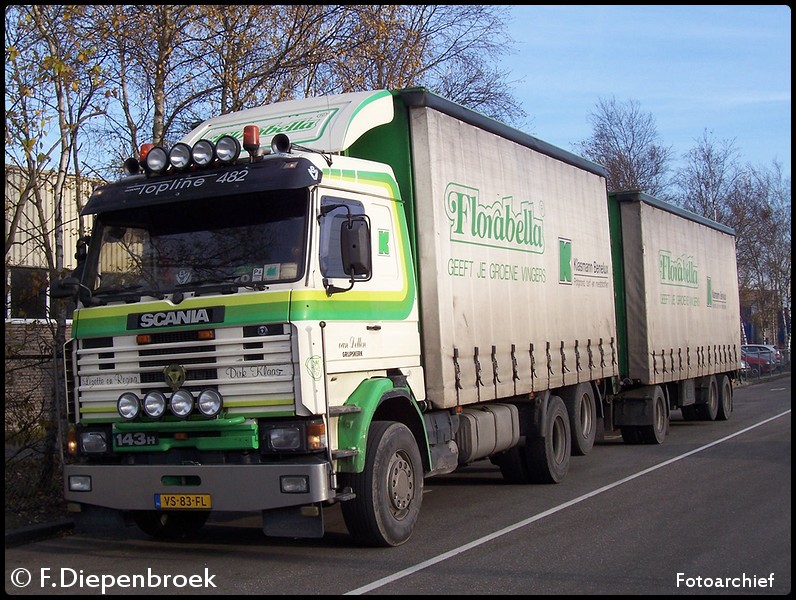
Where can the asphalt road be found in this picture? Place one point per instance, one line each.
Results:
(706, 512)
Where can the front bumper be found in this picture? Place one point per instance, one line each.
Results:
(231, 487)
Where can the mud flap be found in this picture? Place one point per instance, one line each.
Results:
(294, 521)
(634, 408)
(97, 519)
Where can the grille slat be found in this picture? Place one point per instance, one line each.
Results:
(253, 369)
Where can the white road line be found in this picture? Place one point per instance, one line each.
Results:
(451, 553)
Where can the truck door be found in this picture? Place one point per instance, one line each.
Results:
(372, 325)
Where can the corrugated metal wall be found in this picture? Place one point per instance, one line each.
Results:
(27, 250)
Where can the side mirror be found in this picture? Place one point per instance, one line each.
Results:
(65, 288)
(355, 247)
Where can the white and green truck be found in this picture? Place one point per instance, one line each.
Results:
(386, 288)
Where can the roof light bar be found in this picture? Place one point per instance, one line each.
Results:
(155, 160)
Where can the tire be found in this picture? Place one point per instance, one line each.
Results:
(656, 433)
(582, 409)
(389, 491)
(725, 399)
(170, 524)
(708, 410)
(547, 458)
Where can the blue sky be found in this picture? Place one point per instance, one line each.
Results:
(724, 69)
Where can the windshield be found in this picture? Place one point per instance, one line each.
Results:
(251, 240)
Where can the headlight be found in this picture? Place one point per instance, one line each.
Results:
(93, 442)
(181, 403)
(292, 436)
(154, 404)
(79, 483)
(294, 484)
(284, 438)
(128, 406)
(209, 403)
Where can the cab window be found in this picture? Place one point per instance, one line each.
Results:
(330, 252)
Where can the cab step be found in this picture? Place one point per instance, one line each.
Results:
(345, 453)
(336, 411)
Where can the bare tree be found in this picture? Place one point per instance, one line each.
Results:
(782, 252)
(312, 50)
(755, 202)
(153, 71)
(776, 239)
(256, 55)
(707, 178)
(450, 49)
(170, 67)
(54, 81)
(760, 212)
(53, 85)
(625, 142)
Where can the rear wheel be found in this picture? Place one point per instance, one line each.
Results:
(656, 433)
(170, 524)
(547, 458)
(389, 491)
(709, 408)
(582, 410)
(725, 399)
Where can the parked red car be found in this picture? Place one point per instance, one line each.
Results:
(760, 359)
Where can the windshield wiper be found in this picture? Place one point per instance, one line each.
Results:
(128, 293)
(225, 285)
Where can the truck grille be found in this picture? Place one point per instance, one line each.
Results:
(252, 367)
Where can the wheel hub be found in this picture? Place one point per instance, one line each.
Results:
(401, 484)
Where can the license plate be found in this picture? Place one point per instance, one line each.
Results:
(183, 501)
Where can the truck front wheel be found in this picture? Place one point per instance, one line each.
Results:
(389, 491)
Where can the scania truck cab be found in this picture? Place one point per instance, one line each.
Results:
(236, 321)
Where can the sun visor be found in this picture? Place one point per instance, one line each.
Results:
(328, 123)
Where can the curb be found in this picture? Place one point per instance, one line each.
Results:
(32, 533)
